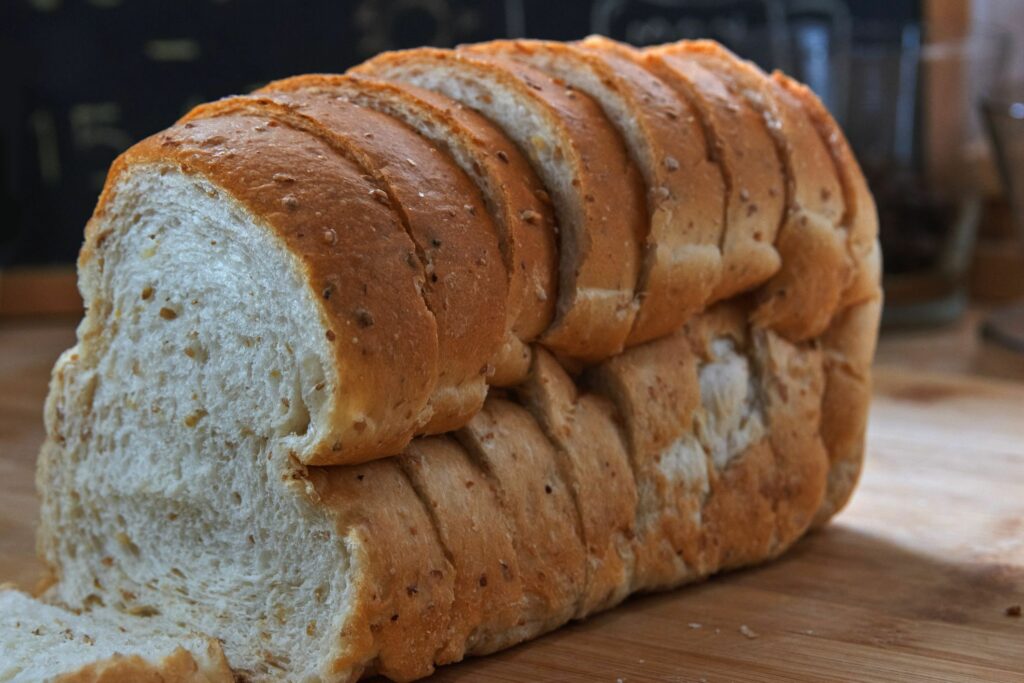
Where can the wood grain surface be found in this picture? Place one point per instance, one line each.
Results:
(911, 582)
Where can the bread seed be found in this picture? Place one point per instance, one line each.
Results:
(530, 216)
(147, 293)
(329, 236)
(290, 202)
(364, 317)
(192, 419)
(502, 156)
(671, 164)
(380, 196)
(168, 313)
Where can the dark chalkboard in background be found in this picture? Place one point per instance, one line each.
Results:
(86, 78)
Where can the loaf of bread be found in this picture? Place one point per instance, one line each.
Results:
(383, 370)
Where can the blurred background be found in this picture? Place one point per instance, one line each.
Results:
(930, 92)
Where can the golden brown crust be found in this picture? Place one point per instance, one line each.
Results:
(746, 155)
(600, 252)
(593, 459)
(514, 195)
(685, 192)
(402, 594)
(477, 539)
(355, 256)
(508, 444)
(177, 667)
(455, 239)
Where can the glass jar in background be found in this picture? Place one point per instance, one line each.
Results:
(1003, 113)
(911, 116)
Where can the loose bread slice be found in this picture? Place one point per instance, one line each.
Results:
(477, 539)
(593, 459)
(596, 190)
(685, 190)
(801, 298)
(513, 193)
(44, 644)
(507, 443)
(440, 208)
(743, 148)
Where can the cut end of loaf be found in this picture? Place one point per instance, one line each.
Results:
(201, 371)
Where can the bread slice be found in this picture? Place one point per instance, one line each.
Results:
(466, 284)
(594, 461)
(860, 218)
(191, 216)
(399, 593)
(754, 176)
(477, 539)
(596, 190)
(508, 444)
(849, 348)
(849, 343)
(43, 644)
(512, 192)
(656, 392)
(685, 192)
(801, 298)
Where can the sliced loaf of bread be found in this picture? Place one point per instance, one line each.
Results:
(264, 331)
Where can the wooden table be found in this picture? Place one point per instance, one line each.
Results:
(911, 582)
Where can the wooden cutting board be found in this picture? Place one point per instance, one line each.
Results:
(912, 582)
